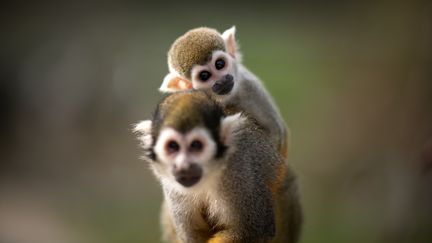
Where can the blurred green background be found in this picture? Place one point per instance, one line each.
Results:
(352, 79)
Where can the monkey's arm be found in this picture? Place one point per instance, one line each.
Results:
(183, 216)
(252, 218)
(263, 108)
(245, 191)
(168, 230)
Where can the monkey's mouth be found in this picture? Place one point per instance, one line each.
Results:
(223, 86)
(188, 181)
(189, 176)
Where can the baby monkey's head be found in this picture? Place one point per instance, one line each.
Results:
(187, 138)
(203, 59)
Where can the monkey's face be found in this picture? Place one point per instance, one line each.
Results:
(184, 158)
(204, 60)
(218, 75)
(187, 140)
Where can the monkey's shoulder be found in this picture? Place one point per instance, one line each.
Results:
(251, 133)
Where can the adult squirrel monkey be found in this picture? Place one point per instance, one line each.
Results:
(222, 179)
(204, 59)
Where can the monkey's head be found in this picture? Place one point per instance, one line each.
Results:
(188, 135)
(203, 59)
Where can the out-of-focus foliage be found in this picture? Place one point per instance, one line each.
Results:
(352, 79)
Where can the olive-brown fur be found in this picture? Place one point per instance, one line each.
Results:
(175, 112)
(194, 47)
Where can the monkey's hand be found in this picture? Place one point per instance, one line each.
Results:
(222, 237)
(227, 236)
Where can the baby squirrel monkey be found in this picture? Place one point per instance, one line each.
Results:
(222, 179)
(204, 59)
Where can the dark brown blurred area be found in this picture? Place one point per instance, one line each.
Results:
(352, 79)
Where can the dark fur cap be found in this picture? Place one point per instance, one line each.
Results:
(183, 111)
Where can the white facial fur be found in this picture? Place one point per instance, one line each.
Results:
(143, 128)
(206, 158)
(184, 156)
(230, 68)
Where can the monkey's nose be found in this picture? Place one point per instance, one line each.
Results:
(224, 85)
(229, 77)
(188, 176)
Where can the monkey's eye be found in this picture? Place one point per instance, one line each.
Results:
(219, 64)
(204, 75)
(173, 146)
(196, 146)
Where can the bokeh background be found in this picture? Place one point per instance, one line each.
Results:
(352, 79)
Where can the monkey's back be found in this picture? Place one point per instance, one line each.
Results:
(257, 168)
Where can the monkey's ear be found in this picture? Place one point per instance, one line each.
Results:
(228, 125)
(173, 83)
(230, 42)
(143, 129)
